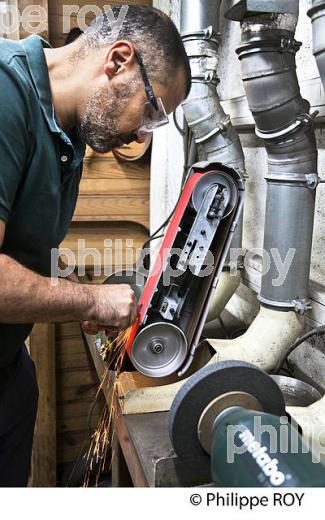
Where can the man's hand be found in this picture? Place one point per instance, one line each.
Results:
(115, 308)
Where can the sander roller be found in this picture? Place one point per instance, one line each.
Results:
(175, 299)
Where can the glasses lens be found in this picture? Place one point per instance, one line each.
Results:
(153, 118)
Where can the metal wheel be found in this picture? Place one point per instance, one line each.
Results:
(159, 349)
(210, 180)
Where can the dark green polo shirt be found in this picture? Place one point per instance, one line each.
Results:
(40, 168)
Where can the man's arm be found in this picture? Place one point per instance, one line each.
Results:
(27, 297)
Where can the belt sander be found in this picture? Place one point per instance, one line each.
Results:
(175, 300)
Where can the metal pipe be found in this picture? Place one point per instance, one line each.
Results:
(216, 139)
(214, 135)
(267, 55)
(317, 15)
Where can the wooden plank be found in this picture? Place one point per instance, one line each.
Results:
(64, 330)
(76, 409)
(130, 454)
(122, 208)
(81, 385)
(44, 449)
(22, 5)
(71, 444)
(113, 244)
(78, 379)
(107, 165)
(56, 15)
(74, 424)
(70, 346)
(114, 186)
(77, 361)
(120, 474)
(68, 454)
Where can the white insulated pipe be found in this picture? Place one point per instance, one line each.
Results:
(226, 288)
(265, 342)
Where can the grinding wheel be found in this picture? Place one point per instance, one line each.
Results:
(135, 279)
(201, 389)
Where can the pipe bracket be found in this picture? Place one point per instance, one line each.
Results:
(302, 306)
(205, 34)
(289, 44)
(309, 180)
(312, 180)
(264, 44)
(220, 127)
(301, 119)
(299, 306)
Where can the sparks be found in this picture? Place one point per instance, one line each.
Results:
(113, 354)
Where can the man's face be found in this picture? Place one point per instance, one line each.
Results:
(114, 111)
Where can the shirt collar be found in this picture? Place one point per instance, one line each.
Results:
(34, 46)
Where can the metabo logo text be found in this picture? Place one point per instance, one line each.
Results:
(268, 465)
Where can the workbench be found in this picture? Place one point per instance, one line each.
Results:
(144, 457)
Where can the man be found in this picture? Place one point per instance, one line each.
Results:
(97, 91)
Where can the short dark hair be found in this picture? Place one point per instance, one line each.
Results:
(73, 35)
(153, 34)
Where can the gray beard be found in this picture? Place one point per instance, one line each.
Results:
(98, 127)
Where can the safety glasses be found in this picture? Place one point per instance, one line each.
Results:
(155, 114)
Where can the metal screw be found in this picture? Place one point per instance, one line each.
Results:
(156, 347)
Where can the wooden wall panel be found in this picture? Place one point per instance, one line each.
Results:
(112, 208)
(76, 383)
(121, 235)
(23, 4)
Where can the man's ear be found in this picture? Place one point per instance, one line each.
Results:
(119, 57)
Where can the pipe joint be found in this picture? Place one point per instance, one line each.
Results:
(203, 60)
(207, 34)
(221, 126)
(262, 42)
(301, 120)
